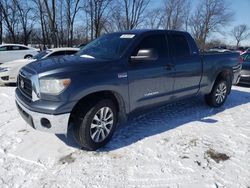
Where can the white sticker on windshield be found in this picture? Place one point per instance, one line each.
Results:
(127, 36)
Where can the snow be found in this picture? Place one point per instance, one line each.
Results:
(185, 144)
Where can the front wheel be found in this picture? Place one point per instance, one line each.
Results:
(96, 124)
(219, 93)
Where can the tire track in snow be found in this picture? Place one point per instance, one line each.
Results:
(22, 159)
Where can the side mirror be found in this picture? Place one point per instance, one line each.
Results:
(145, 55)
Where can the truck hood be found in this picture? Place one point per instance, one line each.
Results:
(65, 64)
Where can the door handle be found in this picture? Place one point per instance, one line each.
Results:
(169, 66)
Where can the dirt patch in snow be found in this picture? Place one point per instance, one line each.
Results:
(67, 159)
(216, 156)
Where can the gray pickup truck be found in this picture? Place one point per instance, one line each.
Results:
(117, 74)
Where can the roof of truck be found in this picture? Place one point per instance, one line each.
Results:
(142, 31)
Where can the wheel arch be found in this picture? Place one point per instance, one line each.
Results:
(98, 95)
(227, 74)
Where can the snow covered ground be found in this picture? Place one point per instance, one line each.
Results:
(186, 144)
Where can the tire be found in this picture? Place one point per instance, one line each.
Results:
(28, 56)
(91, 131)
(219, 93)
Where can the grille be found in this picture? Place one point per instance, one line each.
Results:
(25, 86)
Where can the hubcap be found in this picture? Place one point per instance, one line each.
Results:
(221, 93)
(102, 124)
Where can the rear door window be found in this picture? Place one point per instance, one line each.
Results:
(23, 48)
(15, 47)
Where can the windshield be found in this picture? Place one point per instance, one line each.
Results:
(109, 46)
(41, 54)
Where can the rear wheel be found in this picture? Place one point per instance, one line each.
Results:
(28, 56)
(219, 93)
(95, 124)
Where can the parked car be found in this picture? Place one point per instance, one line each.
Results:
(247, 50)
(245, 72)
(244, 50)
(117, 74)
(9, 70)
(218, 50)
(10, 52)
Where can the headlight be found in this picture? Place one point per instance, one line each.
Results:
(4, 69)
(53, 86)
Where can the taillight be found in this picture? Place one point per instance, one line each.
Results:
(241, 60)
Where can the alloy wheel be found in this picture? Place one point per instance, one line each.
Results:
(101, 124)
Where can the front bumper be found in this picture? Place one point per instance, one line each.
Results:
(245, 76)
(57, 124)
(7, 77)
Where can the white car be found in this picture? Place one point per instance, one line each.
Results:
(9, 70)
(10, 52)
(219, 50)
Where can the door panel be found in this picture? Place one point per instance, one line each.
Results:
(187, 76)
(9, 56)
(17, 51)
(3, 54)
(188, 67)
(151, 81)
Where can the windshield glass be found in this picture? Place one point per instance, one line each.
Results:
(109, 46)
(41, 54)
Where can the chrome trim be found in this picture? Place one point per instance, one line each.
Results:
(237, 68)
(122, 75)
(244, 75)
(35, 87)
(59, 123)
(34, 83)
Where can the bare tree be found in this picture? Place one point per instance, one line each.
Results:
(41, 16)
(176, 14)
(134, 10)
(210, 16)
(240, 33)
(96, 9)
(51, 11)
(117, 19)
(154, 19)
(127, 15)
(72, 8)
(26, 19)
(56, 19)
(10, 18)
